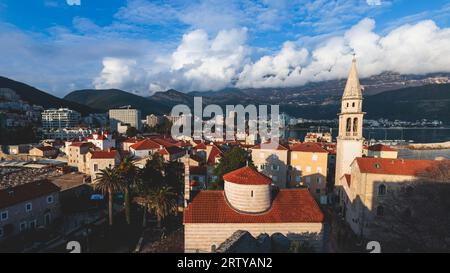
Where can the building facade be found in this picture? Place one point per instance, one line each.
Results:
(350, 140)
(131, 117)
(272, 162)
(60, 118)
(27, 207)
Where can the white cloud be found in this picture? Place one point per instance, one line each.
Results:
(73, 2)
(410, 49)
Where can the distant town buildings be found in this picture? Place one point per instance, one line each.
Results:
(124, 116)
(60, 118)
(153, 120)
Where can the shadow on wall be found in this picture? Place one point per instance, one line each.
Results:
(275, 168)
(404, 216)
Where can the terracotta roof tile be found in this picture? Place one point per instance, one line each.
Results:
(145, 144)
(308, 147)
(247, 176)
(103, 154)
(407, 167)
(381, 147)
(279, 147)
(26, 192)
(288, 206)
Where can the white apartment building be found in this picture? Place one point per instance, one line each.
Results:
(131, 117)
(60, 118)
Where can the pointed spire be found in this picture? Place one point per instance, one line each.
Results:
(352, 87)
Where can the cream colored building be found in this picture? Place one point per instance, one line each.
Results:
(247, 204)
(382, 151)
(309, 163)
(100, 160)
(272, 162)
(132, 117)
(365, 188)
(350, 139)
(76, 155)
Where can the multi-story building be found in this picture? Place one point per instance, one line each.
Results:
(60, 118)
(153, 120)
(365, 199)
(308, 163)
(380, 150)
(100, 160)
(124, 116)
(76, 155)
(102, 140)
(272, 162)
(27, 207)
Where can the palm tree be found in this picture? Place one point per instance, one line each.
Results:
(161, 200)
(108, 181)
(128, 173)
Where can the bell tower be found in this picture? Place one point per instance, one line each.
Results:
(350, 138)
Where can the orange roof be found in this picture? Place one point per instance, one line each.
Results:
(247, 176)
(381, 147)
(289, 206)
(215, 153)
(348, 178)
(409, 167)
(308, 147)
(145, 144)
(200, 146)
(26, 192)
(103, 154)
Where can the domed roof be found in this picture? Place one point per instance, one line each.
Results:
(247, 176)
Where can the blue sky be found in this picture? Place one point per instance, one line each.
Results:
(145, 46)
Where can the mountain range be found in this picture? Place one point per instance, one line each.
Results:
(388, 95)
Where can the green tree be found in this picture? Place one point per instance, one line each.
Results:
(232, 160)
(152, 175)
(174, 175)
(128, 174)
(131, 132)
(162, 201)
(108, 181)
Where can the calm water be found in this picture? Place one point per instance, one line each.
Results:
(418, 135)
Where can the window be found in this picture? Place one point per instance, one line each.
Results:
(381, 190)
(47, 218)
(251, 194)
(308, 169)
(50, 199)
(355, 124)
(32, 224)
(314, 157)
(308, 180)
(348, 125)
(353, 104)
(95, 167)
(28, 207)
(4, 215)
(23, 226)
(275, 167)
(318, 180)
(262, 167)
(380, 211)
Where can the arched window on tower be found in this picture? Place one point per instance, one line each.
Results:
(348, 126)
(355, 126)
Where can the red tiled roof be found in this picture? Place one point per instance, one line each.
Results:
(247, 176)
(348, 178)
(279, 147)
(408, 167)
(145, 144)
(289, 206)
(215, 153)
(164, 142)
(200, 146)
(26, 192)
(381, 147)
(103, 154)
(308, 147)
(81, 144)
